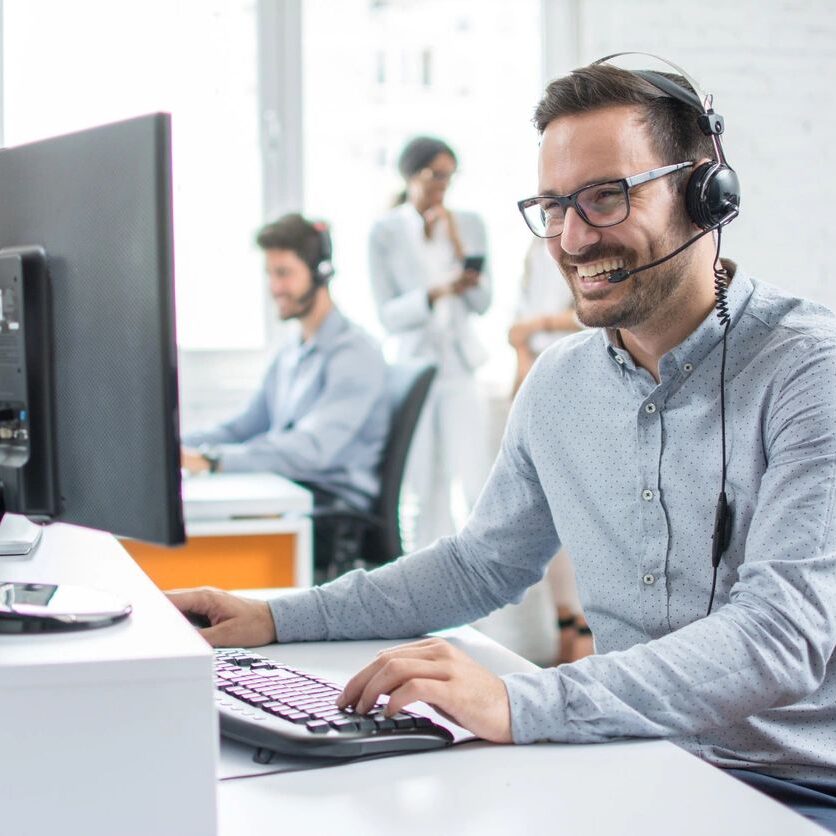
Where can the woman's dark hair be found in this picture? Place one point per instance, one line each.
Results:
(293, 232)
(416, 155)
(671, 124)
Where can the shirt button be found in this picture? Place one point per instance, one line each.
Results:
(647, 494)
(619, 359)
(687, 367)
(649, 579)
(650, 408)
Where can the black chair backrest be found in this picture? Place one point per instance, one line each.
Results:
(407, 385)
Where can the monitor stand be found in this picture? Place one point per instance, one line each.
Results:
(18, 536)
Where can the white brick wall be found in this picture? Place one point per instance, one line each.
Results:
(771, 65)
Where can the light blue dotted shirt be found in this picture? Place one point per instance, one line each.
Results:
(625, 473)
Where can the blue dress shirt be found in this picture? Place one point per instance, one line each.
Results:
(321, 415)
(625, 472)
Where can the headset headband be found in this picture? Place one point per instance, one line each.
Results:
(710, 123)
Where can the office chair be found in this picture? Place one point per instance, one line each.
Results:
(348, 538)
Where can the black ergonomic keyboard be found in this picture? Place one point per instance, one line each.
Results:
(275, 707)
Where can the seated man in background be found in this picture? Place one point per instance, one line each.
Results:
(320, 416)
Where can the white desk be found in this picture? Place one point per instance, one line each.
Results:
(619, 789)
(113, 731)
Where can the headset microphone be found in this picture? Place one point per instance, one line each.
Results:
(624, 274)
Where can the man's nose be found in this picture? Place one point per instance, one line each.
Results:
(577, 234)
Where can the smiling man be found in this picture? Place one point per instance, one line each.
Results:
(613, 449)
(321, 415)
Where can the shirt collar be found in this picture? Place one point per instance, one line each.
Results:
(411, 214)
(699, 343)
(332, 326)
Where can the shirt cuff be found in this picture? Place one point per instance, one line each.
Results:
(537, 710)
(236, 458)
(298, 618)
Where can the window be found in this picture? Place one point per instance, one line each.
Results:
(68, 66)
(467, 72)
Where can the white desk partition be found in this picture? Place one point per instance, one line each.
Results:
(230, 504)
(108, 731)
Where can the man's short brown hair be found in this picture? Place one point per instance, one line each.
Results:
(293, 232)
(671, 124)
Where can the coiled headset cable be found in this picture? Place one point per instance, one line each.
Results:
(722, 513)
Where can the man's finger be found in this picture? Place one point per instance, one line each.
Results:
(393, 675)
(435, 692)
(414, 650)
(189, 600)
(221, 634)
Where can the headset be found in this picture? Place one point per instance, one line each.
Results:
(712, 200)
(322, 270)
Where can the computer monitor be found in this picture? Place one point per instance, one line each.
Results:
(88, 361)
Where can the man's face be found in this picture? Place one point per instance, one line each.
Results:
(291, 283)
(609, 144)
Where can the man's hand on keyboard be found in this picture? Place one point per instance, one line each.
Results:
(437, 673)
(235, 621)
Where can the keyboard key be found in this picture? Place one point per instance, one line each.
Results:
(329, 713)
(318, 726)
(344, 725)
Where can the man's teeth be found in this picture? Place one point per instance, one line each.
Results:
(586, 271)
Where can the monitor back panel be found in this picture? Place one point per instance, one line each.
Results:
(99, 203)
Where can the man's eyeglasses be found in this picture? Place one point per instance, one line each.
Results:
(600, 205)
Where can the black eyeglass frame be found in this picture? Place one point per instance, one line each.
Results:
(571, 200)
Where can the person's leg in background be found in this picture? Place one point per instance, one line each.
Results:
(463, 440)
(575, 637)
(426, 496)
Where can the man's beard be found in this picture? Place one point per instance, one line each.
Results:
(302, 305)
(649, 294)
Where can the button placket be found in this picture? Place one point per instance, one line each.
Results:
(655, 528)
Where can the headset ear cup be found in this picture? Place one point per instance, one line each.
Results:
(694, 191)
(323, 270)
(712, 196)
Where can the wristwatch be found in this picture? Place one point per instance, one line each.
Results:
(211, 456)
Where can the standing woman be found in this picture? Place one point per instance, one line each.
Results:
(429, 277)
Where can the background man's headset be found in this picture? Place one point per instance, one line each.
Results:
(712, 199)
(323, 270)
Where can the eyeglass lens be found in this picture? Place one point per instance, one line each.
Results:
(603, 204)
(437, 176)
